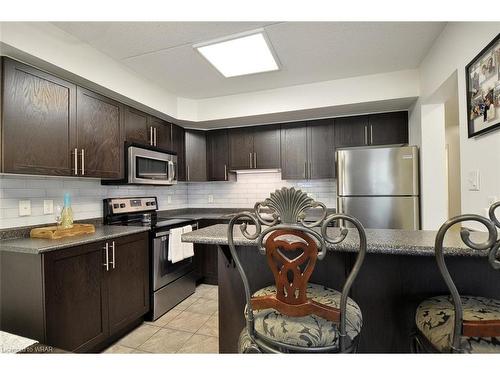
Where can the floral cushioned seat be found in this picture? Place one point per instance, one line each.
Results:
(307, 331)
(435, 318)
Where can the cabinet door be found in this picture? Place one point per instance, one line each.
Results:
(321, 149)
(163, 133)
(217, 155)
(128, 280)
(178, 145)
(389, 128)
(266, 146)
(38, 122)
(351, 131)
(196, 155)
(99, 135)
(136, 126)
(294, 151)
(76, 302)
(240, 148)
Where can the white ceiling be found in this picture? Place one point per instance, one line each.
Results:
(307, 51)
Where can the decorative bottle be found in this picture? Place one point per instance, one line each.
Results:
(67, 213)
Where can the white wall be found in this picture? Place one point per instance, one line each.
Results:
(434, 183)
(363, 89)
(458, 44)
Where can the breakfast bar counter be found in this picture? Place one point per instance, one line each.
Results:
(398, 273)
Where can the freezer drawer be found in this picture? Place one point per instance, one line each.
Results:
(377, 171)
(382, 212)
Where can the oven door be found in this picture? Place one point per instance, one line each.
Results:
(164, 271)
(151, 167)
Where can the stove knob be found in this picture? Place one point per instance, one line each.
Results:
(116, 205)
(122, 205)
(148, 203)
(153, 203)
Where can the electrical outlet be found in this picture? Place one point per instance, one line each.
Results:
(169, 199)
(210, 198)
(25, 208)
(48, 206)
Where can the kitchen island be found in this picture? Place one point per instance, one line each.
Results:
(399, 272)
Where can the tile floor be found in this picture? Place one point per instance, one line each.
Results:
(190, 327)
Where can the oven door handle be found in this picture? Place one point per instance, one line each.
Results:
(166, 233)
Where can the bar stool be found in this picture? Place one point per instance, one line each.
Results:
(461, 324)
(293, 315)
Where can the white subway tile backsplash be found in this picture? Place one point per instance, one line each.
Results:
(87, 194)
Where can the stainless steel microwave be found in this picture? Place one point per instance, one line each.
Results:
(147, 166)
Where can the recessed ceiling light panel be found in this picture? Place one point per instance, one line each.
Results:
(240, 55)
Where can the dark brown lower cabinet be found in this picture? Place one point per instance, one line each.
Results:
(76, 302)
(206, 258)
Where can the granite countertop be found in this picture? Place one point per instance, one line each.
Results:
(38, 245)
(380, 241)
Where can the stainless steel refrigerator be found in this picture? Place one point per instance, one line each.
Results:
(379, 186)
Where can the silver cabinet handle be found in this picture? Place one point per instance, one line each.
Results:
(76, 161)
(310, 169)
(371, 134)
(151, 135)
(305, 169)
(154, 132)
(187, 172)
(225, 172)
(107, 257)
(113, 254)
(255, 160)
(366, 135)
(250, 155)
(83, 162)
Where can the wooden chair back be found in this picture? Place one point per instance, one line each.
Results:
(291, 256)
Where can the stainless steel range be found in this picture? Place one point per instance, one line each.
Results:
(170, 283)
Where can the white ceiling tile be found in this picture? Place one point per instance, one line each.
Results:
(308, 51)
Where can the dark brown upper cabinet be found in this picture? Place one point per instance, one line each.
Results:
(240, 148)
(179, 146)
(99, 136)
(294, 151)
(196, 155)
(38, 134)
(377, 129)
(136, 126)
(352, 131)
(255, 147)
(321, 149)
(218, 155)
(162, 134)
(266, 147)
(308, 150)
(389, 128)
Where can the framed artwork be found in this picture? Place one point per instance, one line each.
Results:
(482, 77)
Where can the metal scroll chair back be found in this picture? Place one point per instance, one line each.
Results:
(468, 328)
(292, 247)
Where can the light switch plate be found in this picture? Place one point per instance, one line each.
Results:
(210, 198)
(25, 208)
(48, 206)
(473, 180)
(169, 199)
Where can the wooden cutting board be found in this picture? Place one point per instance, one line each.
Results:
(55, 232)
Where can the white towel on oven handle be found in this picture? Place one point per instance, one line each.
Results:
(187, 247)
(175, 246)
